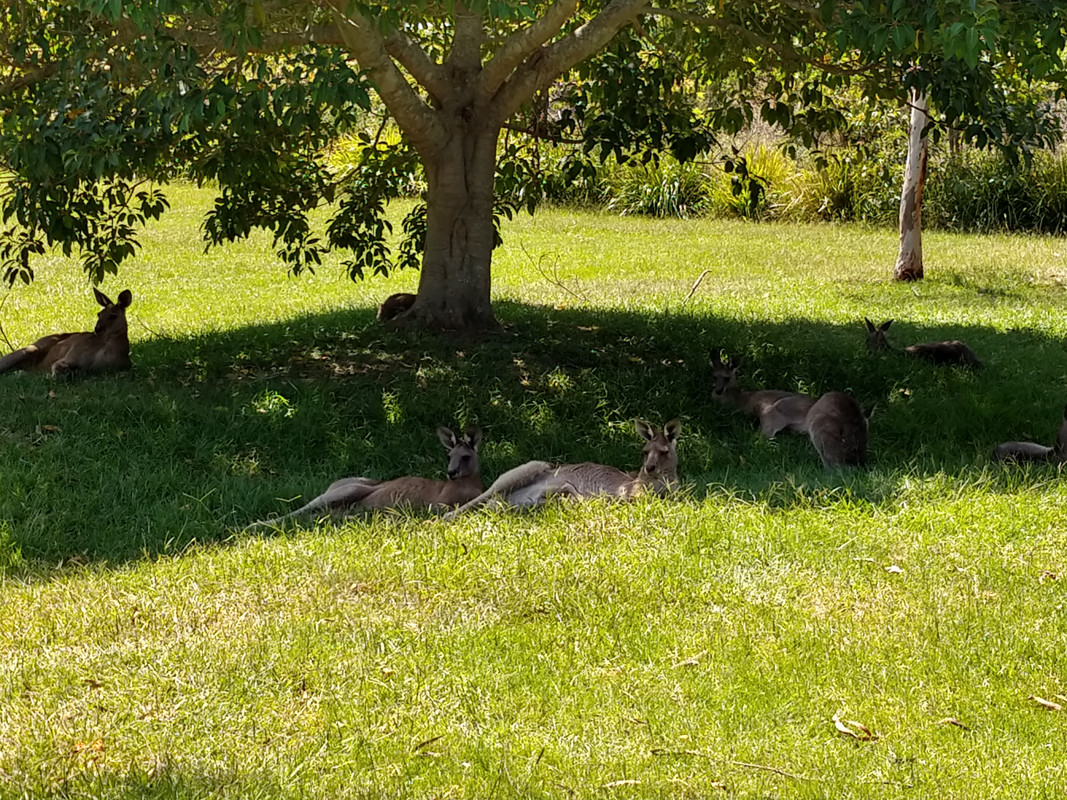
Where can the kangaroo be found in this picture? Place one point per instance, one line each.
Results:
(776, 410)
(395, 305)
(1032, 451)
(106, 348)
(838, 429)
(350, 494)
(951, 352)
(534, 482)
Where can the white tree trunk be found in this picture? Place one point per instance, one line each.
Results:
(910, 259)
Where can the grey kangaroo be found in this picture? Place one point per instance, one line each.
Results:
(353, 494)
(838, 429)
(776, 410)
(534, 482)
(106, 348)
(951, 352)
(1032, 451)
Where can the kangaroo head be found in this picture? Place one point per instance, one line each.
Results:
(112, 317)
(660, 462)
(723, 374)
(462, 451)
(876, 335)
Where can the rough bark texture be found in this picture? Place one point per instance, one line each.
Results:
(909, 265)
(454, 286)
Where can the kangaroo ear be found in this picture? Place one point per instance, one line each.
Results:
(716, 358)
(448, 439)
(870, 325)
(885, 325)
(672, 429)
(102, 298)
(125, 298)
(473, 437)
(735, 362)
(644, 430)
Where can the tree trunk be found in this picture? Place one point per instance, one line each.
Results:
(910, 259)
(454, 285)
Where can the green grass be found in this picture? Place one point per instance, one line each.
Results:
(149, 648)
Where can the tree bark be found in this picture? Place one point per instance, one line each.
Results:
(454, 284)
(909, 265)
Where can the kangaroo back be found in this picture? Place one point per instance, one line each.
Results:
(951, 352)
(776, 410)
(838, 430)
(1032, 451)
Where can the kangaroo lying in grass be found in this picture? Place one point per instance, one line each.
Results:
(106, 348)
(354, 494)
(1032, 451)
(534, 482)
(837, 426)
(776, 410)
(951, 352)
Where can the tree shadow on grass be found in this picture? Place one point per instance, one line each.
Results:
(212, 432)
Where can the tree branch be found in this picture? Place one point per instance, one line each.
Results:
(426, 72)
(784, 52)
(416, 120)
(523, 42)
(547, 63)
(466, 53)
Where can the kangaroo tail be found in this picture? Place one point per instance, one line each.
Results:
(14, 360)
(517, 478)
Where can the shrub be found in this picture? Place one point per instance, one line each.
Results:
(663, 187)
(979, 191)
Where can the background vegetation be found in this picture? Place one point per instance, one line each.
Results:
(695, 647)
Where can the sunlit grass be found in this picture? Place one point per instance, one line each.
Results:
(697, 647)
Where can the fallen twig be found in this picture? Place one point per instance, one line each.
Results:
(696, 286)
(661, 751)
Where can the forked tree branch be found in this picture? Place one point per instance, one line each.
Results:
(417, 120)
(426, 72)
(523, 42)
(547, 63)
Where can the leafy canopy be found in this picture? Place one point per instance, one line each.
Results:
(103, 102)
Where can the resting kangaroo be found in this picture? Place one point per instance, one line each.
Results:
(350, 494)
(776, 410)
(952, 352)
(1032, 451)
(838, 429)
(532, 483)
(106, 348)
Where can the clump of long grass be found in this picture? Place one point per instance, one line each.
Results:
(982, 191)
(662, 187)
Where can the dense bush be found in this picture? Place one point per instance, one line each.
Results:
(969, 191)
(975, 191)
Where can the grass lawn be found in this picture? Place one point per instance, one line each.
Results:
(696, 647)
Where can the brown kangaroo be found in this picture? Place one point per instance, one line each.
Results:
(838, 429)
(353, 494)
(395, 305)
(1032, 451)
(534, 482)
(106, 348)
(951, 352)
(776, 410)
